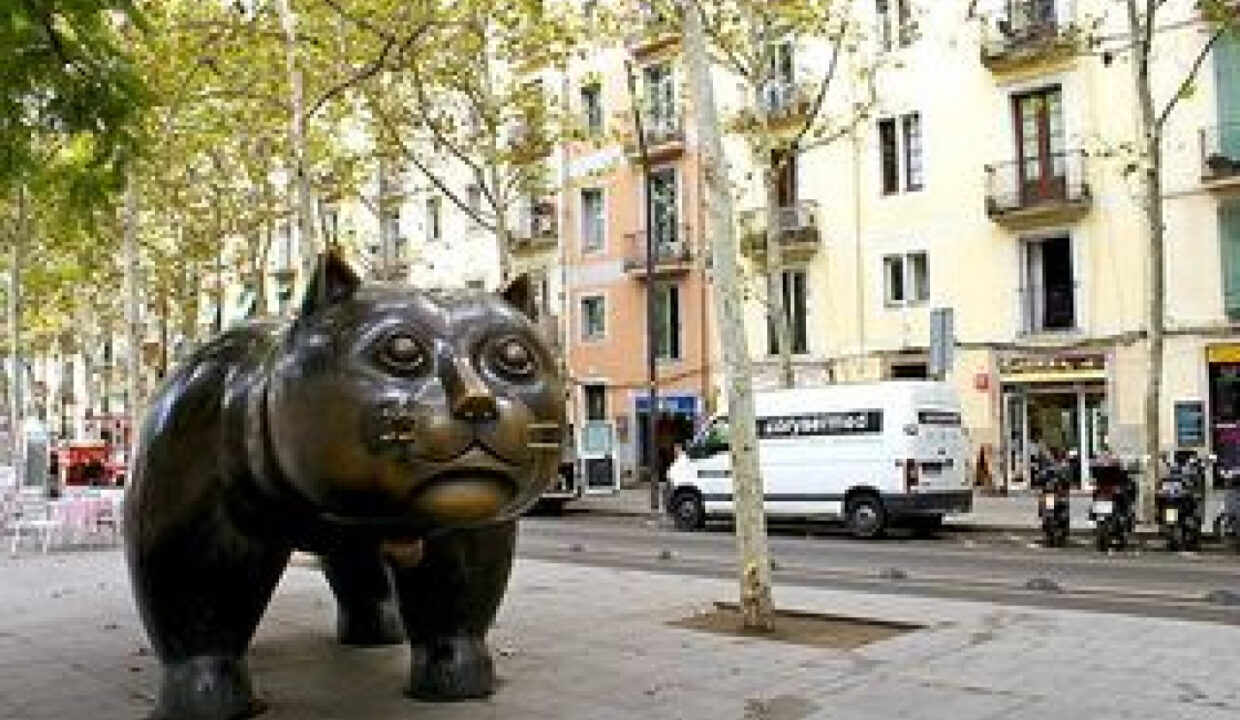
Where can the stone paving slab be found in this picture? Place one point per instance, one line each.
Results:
(583, 643)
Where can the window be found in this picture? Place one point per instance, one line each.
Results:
(595, 397)
(329, 220)
(1038, 117)
(1049, 286)
(593, 227)
(473, 200)
(663, 220)
(1229, 250)
(434, 229)
(1030, 17)
(778, 88)
(900, 153)
(593, 317)
(895, 23)
(784, 161)
(284, 248)
(667, 322)
(389, 228)
(911, 125)
(795, 290)
(592, 109)
(888, 156)
(906, 279)
(660, 99)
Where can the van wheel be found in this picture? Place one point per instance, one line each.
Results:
(866, 517)
(687, 511)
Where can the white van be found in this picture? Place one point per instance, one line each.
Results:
(873, 454)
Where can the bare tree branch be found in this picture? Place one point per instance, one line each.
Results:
(1188, 80)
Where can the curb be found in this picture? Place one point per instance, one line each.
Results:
(967, 527)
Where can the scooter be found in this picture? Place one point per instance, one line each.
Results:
(1113, 509)
(1227, 524)
(1179, 502)
(1053, 503)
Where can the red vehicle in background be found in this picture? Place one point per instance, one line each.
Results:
(90, 463)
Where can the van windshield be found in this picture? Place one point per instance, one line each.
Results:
(714, 435)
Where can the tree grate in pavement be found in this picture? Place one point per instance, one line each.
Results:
(798, 627)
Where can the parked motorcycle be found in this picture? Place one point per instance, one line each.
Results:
(1227, 524)
(1055, 481)
(1179, 504)
(1113, 508)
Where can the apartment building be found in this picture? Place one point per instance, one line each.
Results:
(989, 181)
(992, 182)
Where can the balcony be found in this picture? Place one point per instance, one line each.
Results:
(1220, 156)
(654, 33)
(799, 236)
(784, 103)
(672, 254)
(1043, 190)
(537, 231)
(1048, 309)
(665, 138)
(1014, 45)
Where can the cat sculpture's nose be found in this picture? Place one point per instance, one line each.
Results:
(468, 396)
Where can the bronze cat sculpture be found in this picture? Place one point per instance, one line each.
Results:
(394, 432)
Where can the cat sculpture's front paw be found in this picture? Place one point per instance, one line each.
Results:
(451, 668)
(207, 688)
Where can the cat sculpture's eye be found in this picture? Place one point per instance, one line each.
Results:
(513, 359)
(403, 352)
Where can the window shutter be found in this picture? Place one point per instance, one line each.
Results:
(1227, 90)
(1229, 251)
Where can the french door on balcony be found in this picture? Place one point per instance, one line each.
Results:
(664, 215)
(1031, 17)
(660, 100)
(1042, 166)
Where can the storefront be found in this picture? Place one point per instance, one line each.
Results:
(1224, 412)
(1053, 404)
(674, 424)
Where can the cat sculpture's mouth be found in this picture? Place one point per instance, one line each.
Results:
(465, 493)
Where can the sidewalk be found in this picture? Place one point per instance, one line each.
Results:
(1015, 513)
(582, 643)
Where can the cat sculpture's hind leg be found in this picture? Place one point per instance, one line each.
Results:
(448, 602)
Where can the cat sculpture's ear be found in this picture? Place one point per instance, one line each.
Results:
(332, 282)
(520, 294)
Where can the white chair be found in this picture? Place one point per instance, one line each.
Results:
(41, 518)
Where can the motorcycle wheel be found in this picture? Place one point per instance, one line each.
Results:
(1175, 538)
(1193, 541)
(1229, 534)
(1102, 539)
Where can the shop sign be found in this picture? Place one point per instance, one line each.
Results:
(1190, 425)
(1053, 368)
(1229, 353)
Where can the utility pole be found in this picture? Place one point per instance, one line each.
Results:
(652, 388)
(757, 607)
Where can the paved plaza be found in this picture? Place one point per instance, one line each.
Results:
(584, 643)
